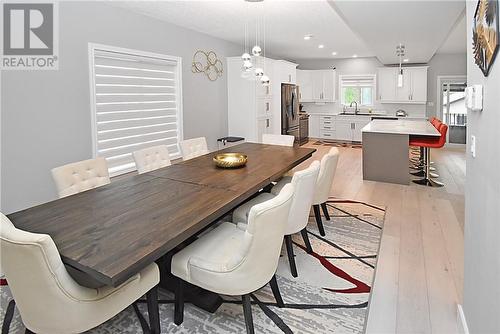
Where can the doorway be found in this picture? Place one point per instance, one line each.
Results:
(452, 109)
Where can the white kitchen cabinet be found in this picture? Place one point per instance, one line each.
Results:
(316, 85)
(343, 130)
(386, 85)
(418, 77)
(264, 126)
(251, 106)
(285, 71)
(349, 128)
(414, 88)
(314, 125)
(304, 81)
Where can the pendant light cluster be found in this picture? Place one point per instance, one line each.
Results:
(400, 52)
(249, 71)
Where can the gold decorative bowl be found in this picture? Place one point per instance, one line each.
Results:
(230, 160)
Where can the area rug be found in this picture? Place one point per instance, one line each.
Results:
(330, 295)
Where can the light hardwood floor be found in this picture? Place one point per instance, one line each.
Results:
(419, 275)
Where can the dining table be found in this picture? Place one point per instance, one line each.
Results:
(108, 234)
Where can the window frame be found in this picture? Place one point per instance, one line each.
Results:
(92, 48)
(373, 86)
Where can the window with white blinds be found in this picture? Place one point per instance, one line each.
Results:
(357, 88)
(136, 103)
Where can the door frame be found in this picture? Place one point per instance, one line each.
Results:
(439, 98)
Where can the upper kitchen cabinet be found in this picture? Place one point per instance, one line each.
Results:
(316, 85)
(414, 89)
(285, 71)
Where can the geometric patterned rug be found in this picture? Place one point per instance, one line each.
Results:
(330, 295)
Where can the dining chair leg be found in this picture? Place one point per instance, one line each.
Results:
(307, 243)
(325, 211)
(247, 312)
(9, 313)
(153, 310)
(291, 257)
(276, 291)
(317, 214)
(179, 302)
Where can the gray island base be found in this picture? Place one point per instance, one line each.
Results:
(385, 148)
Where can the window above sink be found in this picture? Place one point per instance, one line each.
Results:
(358, 89)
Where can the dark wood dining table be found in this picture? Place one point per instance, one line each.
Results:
(112, 232)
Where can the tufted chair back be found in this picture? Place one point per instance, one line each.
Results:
(192, 148)
(283, 140)
(266, 225)
(79, 176)
(40, 284)
(151, 158)
(326, 174)
(304, 183)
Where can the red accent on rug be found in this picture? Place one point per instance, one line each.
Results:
(3, 282)
(360, 287)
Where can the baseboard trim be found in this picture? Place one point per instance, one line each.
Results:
(461, 322)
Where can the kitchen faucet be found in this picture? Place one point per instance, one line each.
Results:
(356, 109)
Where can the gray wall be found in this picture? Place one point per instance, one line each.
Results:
(443, 64)
(440, 64)
(46, 114)
(482, 197)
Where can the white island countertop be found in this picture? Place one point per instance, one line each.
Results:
(402, 127)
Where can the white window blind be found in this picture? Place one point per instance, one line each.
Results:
(358, 88)
(136, 98)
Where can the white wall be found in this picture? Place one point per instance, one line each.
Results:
(440, 64)
(482, 197)
(46, 114)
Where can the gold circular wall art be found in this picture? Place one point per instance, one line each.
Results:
(208, 63)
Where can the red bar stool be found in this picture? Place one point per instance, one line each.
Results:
(418, 164)
(427, 144)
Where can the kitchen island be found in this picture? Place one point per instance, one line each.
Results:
(385, 148)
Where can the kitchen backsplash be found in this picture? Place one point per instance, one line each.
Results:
(413, 110)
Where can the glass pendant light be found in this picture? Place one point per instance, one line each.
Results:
(400, 52)
(259, 72)
(265, 80)
(256, 51)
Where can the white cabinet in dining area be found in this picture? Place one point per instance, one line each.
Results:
(413, 90)
(251, 106)
(316, 85)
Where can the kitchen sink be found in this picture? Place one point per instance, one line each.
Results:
(361, 114)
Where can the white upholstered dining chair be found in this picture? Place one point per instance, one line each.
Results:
(192, 148)
(151, 158)
(323, 186)
(236, 261)
(304, 183)
(48, 298)
(80, 176)
(282, 140)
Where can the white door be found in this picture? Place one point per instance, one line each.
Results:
(386, 84)
(418, 84)
(314, 126)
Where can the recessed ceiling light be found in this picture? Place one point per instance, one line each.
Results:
(321, 46)
(406, 60)
(355, 56)
(334, 53)
(308, 37)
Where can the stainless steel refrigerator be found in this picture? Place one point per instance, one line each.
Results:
(290, 118)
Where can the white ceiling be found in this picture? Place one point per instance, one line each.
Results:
(422, 26)
(287, 23)
(457, 40)
(365, 28)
